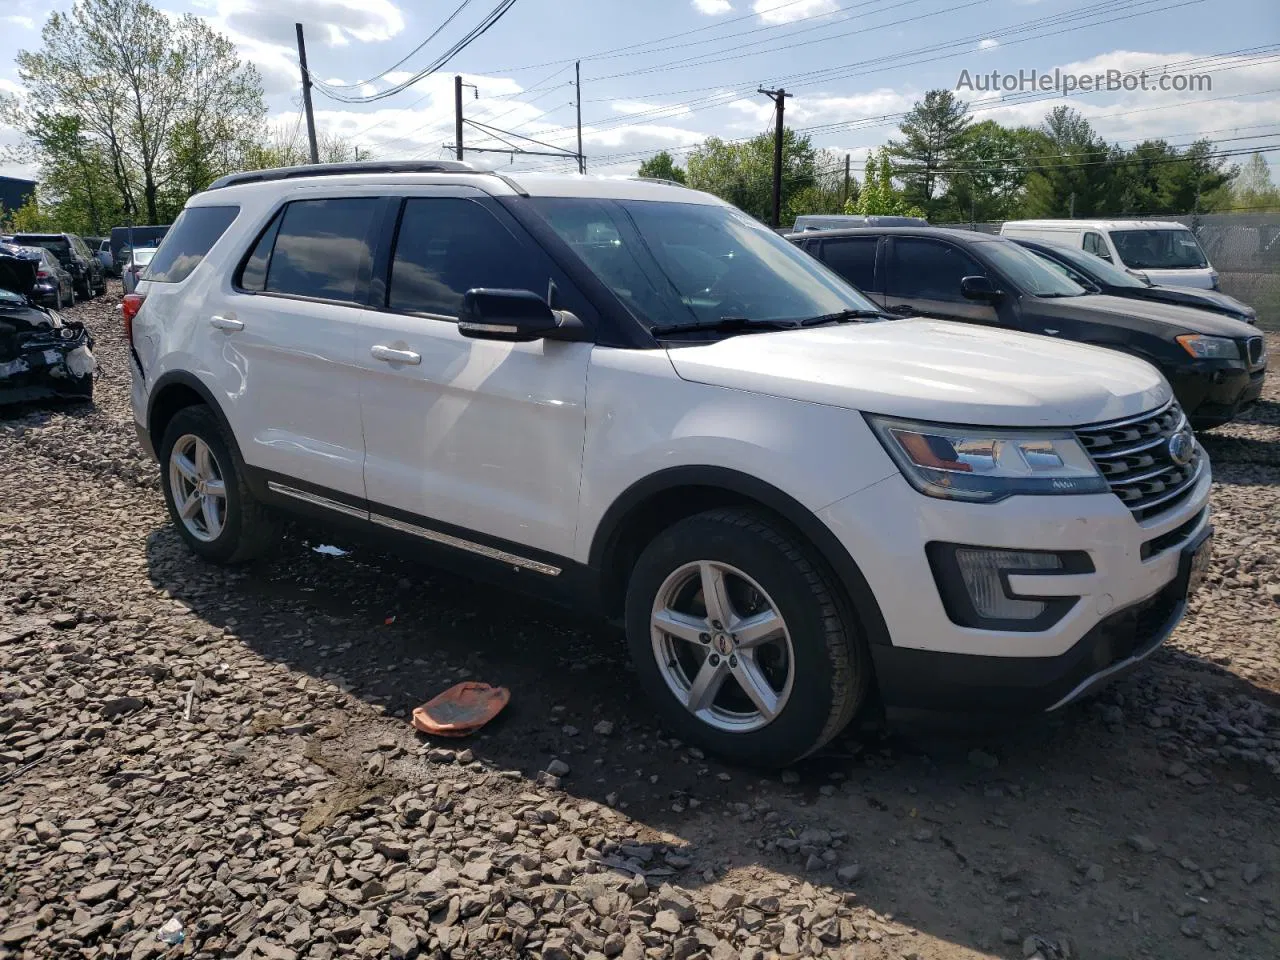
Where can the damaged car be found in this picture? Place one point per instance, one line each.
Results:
(42, 355)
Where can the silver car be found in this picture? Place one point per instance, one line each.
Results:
(135, 266)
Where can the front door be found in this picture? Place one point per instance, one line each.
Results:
(924, 280)
(470, 436)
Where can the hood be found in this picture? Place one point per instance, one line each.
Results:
(932, 370)
(1204, 299)
(1199, 277)
(1140, 314)
(18, 273)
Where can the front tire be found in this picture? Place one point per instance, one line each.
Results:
(210, 504)
(768, 671)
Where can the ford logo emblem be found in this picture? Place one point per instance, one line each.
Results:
(1182, 447)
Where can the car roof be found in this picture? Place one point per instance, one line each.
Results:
(1101, 224)
(940, 233)
(262, 183)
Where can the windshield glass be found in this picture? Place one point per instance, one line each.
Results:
(144, 255)
(1159, 249)
(696, 263)
(1028, 272)
(1095, 267)
(55, 245)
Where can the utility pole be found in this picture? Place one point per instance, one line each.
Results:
(1071, 209)
(577, 82)
(306, 96)
(845, 200)
(457, 113)
(357, 153)
(779, 98)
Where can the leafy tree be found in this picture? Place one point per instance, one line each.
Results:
(933, 138)
(742, 174)
(164, 102)
(1252, 185)
(878, 195)
(990, 172)
(661, 167)
(1072, 172)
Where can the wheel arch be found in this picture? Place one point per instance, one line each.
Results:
(651, 505)
(174, 391)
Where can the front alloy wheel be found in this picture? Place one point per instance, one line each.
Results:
(722, 646)
(199, 492)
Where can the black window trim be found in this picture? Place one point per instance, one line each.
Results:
(360, 300)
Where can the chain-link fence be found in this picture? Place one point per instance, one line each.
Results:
(1243, 247)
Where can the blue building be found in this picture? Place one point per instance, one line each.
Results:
(15, 192)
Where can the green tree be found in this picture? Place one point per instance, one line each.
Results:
(1252, 185)
(742, 174)
(1071, 171)
(164, 101)
(878, 196)
(661, 166)
(933, 139)
(989, 174)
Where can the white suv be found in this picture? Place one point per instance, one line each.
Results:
(632, 396)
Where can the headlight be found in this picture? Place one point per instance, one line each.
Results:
(986, 465)
(1209, 348)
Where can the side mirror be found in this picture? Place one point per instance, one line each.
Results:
(515, 316)
(980, 288)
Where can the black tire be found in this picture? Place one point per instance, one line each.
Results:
(831, 663)
(249, 530)
(57, 298)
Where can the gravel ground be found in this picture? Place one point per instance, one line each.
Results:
(227, 753)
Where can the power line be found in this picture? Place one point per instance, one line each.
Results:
(435, 33)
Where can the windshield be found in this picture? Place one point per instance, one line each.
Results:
(55, 245)
(696, 263)
(144, 255)
(1159, 249)
(1093, 267)
(1028, 272)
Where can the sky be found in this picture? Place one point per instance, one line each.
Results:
(666, 74)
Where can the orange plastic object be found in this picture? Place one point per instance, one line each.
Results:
(461, 710)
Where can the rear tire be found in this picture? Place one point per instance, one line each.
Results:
(755, 701)
(209, 502)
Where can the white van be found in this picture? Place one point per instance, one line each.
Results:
(1165, 252)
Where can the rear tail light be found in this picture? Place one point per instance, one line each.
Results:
(43, 274)
(129, 308)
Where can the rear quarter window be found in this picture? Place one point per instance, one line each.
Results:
(190, 238)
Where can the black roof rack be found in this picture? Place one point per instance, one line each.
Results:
(337, 169)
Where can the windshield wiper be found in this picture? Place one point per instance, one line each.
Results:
(723, 325)
(842, 315)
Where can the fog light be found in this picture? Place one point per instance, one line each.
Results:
(973, 583)
(984, 571)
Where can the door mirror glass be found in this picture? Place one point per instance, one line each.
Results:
(512, 315)
(979, 288)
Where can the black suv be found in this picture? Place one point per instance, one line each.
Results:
(1216, 365)
(87, 274)
(1098, 276)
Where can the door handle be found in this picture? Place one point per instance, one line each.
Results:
(230, 324)
(392, 355)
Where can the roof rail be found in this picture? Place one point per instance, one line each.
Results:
(662, 180)
(337, 169)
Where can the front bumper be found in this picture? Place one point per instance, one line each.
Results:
(50, 366)
(1125, 608)
(1214, 392)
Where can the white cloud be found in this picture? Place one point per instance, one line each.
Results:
(988, 44)
(785, 11)
(712, 7)
(338, 21)
(20, 21)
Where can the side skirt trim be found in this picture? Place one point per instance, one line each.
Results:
(424, 533)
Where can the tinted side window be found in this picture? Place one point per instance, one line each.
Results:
(192, 235)
(854, 259)
(447, 246)
(323, 248)
(928, 270)
(253, 275)
(1093, 243)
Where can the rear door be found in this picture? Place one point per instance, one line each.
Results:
(476, 437)
(283, 332)
(923, 279)
(855, 259)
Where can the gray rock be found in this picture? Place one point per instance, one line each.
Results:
(556, 948)
(1095, 873)
(849, 873)
(722, 898)
(1142, 844)
(677, 901)
(309, 897)
(667, 921)
(557, 768)
(97, 892)
(1250, 872)
(120, 706)
(604, 728)
(403, 941)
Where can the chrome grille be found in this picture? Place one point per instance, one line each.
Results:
(1255, 347)
(1135, 456)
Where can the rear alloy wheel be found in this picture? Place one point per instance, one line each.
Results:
(211, 505)
(740, 635)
